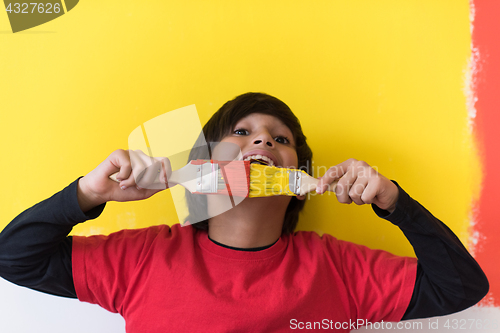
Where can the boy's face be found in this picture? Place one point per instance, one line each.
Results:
(265, 135)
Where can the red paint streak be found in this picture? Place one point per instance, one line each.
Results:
(487, 130)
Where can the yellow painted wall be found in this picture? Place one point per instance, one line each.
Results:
(380, 81)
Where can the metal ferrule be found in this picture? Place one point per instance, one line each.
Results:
(294, 181)
(207, 178)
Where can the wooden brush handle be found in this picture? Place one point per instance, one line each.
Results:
(113, 177)
(310, 183)
(185, 176)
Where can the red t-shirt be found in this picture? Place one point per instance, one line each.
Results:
(175, 279)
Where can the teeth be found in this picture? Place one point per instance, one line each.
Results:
(260, 157)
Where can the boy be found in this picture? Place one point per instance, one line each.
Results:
(245, 269)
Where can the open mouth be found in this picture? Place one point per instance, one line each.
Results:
(259, 159)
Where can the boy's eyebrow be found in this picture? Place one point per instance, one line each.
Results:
(289, 130)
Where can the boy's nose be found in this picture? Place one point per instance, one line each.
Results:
(266, 142)
(264, 138)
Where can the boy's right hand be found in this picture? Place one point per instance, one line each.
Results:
(97, 188)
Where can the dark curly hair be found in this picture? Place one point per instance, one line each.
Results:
(222, 123)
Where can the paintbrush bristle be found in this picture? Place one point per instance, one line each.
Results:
(236, 178)
(242, 179)
(268, 181)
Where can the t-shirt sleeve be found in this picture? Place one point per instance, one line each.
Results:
(104, 265)
(379, 284)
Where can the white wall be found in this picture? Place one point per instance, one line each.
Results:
(27, 311)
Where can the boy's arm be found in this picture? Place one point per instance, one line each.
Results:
(35, 251)
(448, 278)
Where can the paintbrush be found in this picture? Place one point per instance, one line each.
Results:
(268, 180)
(241, 179)
(209, 177)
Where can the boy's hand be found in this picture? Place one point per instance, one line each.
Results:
(360, 183)
(97, 188)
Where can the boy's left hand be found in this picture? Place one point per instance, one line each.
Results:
(360, 183)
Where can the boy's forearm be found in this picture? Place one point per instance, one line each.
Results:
(449, 279)
(85, 200)
(34, 248)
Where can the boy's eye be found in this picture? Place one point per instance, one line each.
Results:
(282, 139)
(241, 131)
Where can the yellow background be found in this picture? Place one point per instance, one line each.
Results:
(380, 81)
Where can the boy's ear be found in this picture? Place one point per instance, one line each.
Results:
(301, 197)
